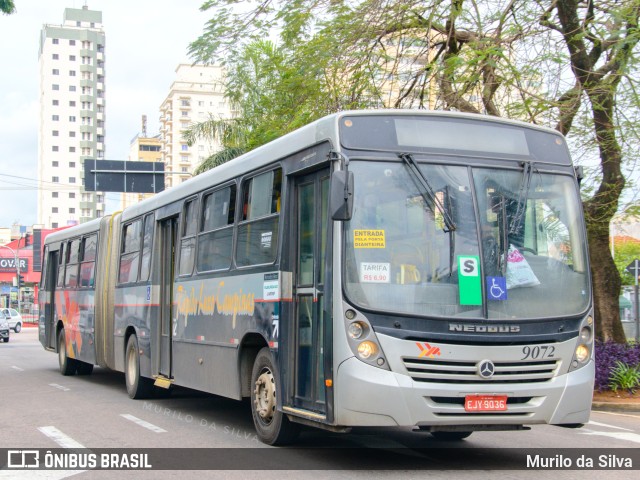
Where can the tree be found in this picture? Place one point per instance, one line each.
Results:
(564, 63)
(7, 7)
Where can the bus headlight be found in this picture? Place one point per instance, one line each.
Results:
(367, 350)
(356, 330)
(585, 334)
(582, 353)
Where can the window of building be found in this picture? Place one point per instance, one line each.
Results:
(72, 88)
(258, 232)
(72, 73)
(188, 244)
(72, 210)
(55, 71)
(184, 158)
(54, 163)
(86, 44)
(55, 86)
(72, 103)
(55, 133)
(54, 194)
(72, 149)
(55, 103)
(55, 179)
(55, 56)
(185, 113)
(54, 209)
(72, 134)
(184, 147)
(86, 151)
(216, 233)
(72, 118)
(54, 225)
(55, 148)
(72, 58)
(72, 164)
(72, 42)
(72, 195)
(72, 179)
(55, 41)
(184, 103)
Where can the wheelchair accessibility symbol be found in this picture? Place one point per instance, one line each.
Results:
(496, 288)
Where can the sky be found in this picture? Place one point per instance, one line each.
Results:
(145, 42)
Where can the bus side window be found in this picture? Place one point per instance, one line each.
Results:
(188, 243)
(130, 253)
(216, 233)
(258, 232)
(88, 255)
(60, 281)
(71, 269)
(147, 244)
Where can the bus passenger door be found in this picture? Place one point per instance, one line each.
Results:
(46, 305)
(311, 197)
(169, 232)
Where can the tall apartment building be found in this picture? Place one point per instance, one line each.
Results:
(196, 95)
(72, 116)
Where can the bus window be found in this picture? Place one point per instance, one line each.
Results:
(188, 245)
(60, 281)
(88, 265)
(216, 234)
(71, 269)
(130, 253)
(147, 243)
(258, 235)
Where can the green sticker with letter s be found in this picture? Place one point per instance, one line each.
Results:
(469, 280)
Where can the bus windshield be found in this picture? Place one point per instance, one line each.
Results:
(519, 253)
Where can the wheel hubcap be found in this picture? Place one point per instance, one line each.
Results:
(265, 396)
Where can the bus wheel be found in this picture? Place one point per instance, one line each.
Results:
(84, 368)
(450, 436)
(67, 365)
(137, 386)
(273, 427)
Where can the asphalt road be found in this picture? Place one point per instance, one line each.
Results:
(41, 409)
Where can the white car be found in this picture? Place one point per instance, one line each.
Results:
(15, 319)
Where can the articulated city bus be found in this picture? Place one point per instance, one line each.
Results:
(374, 268)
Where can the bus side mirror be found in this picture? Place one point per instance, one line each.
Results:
(341, 199)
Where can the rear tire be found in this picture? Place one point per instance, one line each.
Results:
(18, 327)
(137, 386)
(273, 426)
(68, 366)
(5, 340)
(450, 436)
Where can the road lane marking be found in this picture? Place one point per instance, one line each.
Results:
(60, 387)
(591, 422)
(60, 438)
(629, 437)
(143, 423)
(18, 368)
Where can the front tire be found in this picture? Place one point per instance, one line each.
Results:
(68, 366)
(137, 386)
(84, 368)
(273, 426)
(5, 340)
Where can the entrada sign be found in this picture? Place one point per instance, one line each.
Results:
(9, 264)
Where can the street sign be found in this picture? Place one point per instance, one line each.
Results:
(634, 268)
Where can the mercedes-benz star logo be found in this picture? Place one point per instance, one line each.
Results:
(486, 369)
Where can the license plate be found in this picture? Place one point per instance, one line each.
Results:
(485, 403)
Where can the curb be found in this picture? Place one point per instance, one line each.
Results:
(615, 407)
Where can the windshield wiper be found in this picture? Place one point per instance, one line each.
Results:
(427, 192)
(523, 193)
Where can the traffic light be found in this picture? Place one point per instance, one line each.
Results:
(20, 281)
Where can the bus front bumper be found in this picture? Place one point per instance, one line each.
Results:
(370, 396)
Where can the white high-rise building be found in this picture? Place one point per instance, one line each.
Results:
(72, 116)
(196, 95)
